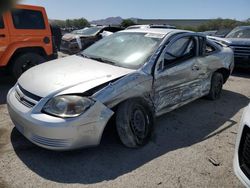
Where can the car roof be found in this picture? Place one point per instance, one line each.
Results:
(23, 6)
(104, 26)
(156, 31)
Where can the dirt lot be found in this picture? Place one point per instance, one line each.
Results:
(180, 154)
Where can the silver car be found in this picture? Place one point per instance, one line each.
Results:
(133, 75)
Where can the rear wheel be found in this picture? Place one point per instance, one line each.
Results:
(216, 86)
(134, 123)
(24, 62)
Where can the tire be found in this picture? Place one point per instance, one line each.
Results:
(134, 123)
(24, 62)
(216, 86)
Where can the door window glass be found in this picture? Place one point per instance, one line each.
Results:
(28, 19)
(182, 49)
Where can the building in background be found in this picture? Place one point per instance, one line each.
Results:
(174, 22)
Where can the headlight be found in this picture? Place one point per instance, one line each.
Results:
(67, 106)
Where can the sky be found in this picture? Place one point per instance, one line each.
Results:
(151, 9)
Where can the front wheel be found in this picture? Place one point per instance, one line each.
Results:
(134, 123)
(216, 86)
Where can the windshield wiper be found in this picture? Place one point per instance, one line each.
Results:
(83, 55)
(103, 60)
(98, 59)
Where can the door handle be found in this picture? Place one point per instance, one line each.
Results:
(195, 68)
(2, 35)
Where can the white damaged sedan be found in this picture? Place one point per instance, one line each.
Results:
(134, 75)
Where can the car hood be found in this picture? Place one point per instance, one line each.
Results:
(238, 41)
(61, 74)
(68, 37)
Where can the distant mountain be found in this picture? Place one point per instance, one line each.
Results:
(108, 21)
(111, 21)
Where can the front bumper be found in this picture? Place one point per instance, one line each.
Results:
(238, 168)
(241, 62)
(69, 47)
(58, 133)
(241, 55)
(238, 172)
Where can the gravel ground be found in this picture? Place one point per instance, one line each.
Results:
(192, 147)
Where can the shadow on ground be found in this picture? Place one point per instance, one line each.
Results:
(181, 128)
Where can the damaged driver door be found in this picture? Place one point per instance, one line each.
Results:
(176, 74)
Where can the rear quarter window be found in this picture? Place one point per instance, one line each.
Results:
(1, 22)
(210, 48)
(28, 19)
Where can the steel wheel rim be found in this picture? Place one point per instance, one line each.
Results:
(139, 123)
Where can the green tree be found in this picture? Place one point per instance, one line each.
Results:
(68, 23)
(127, 22)
(82, 22)
(219, 24)
(78, 23)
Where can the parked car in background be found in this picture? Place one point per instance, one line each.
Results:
(26, 39)
(79, 31)
(134, 75)
(239, 40)
(162, 26)
(242, 151)
(222, 33)
(73, 43)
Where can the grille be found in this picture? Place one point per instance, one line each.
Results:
(244, 151)
(50, 142)
(241, 51)
(26, 98)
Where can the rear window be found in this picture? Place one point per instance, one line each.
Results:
(1, 22)
(28, 19)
